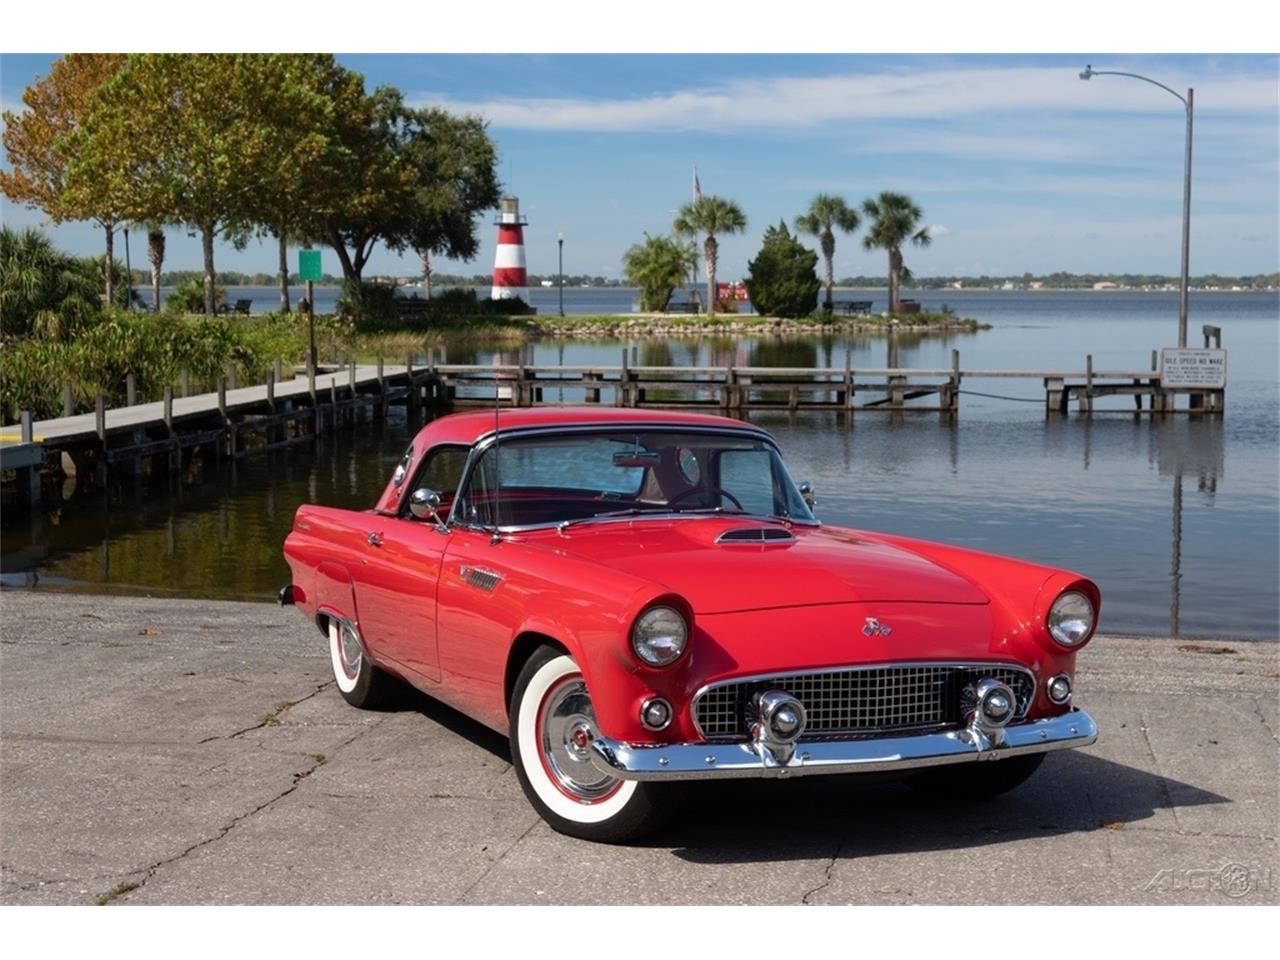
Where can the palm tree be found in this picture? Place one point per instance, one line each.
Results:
(826, 214)
(155, 253)
(710, 215)
(894, 219)
(658, 266)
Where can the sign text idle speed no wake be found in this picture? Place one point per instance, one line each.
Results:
(1193, 368)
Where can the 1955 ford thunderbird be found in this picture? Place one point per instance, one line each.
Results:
(637, 597)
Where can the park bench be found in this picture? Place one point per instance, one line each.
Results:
(240, 306)
(852, 307)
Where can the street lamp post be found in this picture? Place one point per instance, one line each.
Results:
(560, 242)
(1188, 103)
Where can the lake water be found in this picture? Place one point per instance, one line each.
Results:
(1177, 519)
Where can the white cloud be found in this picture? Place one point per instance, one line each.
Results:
(811, 102)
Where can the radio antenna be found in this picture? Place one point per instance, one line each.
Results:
(497, 458)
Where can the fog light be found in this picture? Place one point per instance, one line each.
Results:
(1060, 688)
(655, 713)
(996, 703)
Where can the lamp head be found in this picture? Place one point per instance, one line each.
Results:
(1087, 72)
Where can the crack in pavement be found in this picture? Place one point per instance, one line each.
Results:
(298, 778)
(1257, 708)
(826, 875)
(502, 856)
(272, 718)
(1164, 782)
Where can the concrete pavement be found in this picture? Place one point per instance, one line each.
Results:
(168, 751)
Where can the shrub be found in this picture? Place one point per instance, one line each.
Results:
(782, 279)
(188, 297)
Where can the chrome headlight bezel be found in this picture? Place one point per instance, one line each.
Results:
(1071, 619)
(660, 636)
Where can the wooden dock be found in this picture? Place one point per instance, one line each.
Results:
(241, 421)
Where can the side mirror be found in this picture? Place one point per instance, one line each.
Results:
(424, 504)
(806, 491)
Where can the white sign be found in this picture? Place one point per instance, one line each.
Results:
(1193, 367)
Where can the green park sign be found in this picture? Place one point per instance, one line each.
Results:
(309, 265)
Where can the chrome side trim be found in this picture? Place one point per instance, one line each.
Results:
(701, 761)
(935, 664)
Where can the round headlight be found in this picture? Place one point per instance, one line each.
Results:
(659, 636)
(1070, 619)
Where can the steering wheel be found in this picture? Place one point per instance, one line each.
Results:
(708, 491)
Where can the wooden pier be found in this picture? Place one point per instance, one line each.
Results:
(240, 421)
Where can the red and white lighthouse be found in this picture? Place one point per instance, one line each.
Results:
(510, 278)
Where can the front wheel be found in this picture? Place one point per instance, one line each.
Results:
(552, 725)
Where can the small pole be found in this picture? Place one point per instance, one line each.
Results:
(311, 382)
(382, 387)
(168, 408)
(222, 397)
(184, 381)
(100, 417)
(271, 389)
(279, 370)
(68, 399)
(352, 369)
(25, 419)
(130, 389)
(231, 376)
(311, 322)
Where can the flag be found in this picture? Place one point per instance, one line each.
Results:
(697, 187)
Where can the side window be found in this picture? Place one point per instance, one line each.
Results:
(748, 475)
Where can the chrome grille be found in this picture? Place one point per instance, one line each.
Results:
(861, 700)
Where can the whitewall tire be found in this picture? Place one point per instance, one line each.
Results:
(359, 680)
(552, 724)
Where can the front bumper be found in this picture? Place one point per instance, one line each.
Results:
(700, 761)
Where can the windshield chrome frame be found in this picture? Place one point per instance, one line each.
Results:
(521, 433)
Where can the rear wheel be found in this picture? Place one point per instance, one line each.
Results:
(552, 725)
(977, 781)
(359, 680)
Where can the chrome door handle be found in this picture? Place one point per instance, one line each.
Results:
(374, 539)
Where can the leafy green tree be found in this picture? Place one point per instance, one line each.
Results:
(894, 219)
(56, 106)
(781, 279)
(827, 214)
(713, 216)
(43, 292)
(657, 267)
(417, 179)
(194, 139)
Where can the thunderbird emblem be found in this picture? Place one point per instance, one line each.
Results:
(874, 628)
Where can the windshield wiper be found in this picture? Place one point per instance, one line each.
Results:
(627, 512)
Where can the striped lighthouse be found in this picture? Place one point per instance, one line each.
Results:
(509, 277)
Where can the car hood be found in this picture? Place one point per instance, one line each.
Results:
(818, 566)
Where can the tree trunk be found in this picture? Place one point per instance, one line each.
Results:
(349, 272)
(828, 254)
(710, 250)
(895, 272)
(206, 242)
(109, 226)
(284, 273)
(426, 271)
(155, 289)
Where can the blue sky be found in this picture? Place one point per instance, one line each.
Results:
(1017, 163)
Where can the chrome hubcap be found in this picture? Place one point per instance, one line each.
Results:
(566, 727)
(349, 648)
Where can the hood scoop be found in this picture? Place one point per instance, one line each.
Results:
(756, 535)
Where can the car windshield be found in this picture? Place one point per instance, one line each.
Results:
(576, 477)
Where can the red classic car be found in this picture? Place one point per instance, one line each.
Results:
(640, 597)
